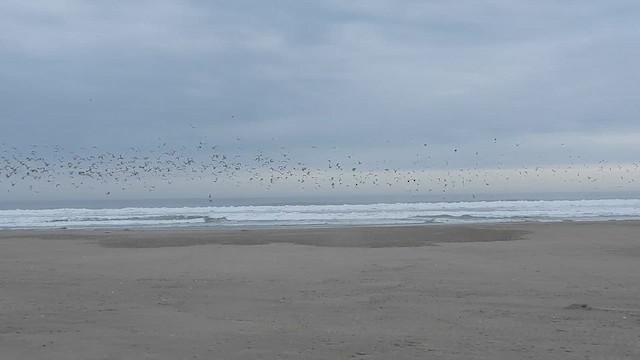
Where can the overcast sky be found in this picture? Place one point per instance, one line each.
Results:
(524, 80)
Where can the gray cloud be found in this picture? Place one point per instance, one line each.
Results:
(334, 73)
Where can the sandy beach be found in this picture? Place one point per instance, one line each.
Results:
(536, 290)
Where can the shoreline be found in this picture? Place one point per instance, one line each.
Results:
(406, 235)
(498, 291)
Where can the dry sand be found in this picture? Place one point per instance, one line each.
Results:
(432, 292)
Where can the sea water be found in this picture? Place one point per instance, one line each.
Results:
(150, 215)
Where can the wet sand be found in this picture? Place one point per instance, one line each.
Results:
(552, 291)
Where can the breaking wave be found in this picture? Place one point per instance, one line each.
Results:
(311, 215)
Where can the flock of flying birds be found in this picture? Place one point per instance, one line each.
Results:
(52, 167)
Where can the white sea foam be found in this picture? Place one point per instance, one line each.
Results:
(307, 215)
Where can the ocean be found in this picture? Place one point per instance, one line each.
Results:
(263, 213)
